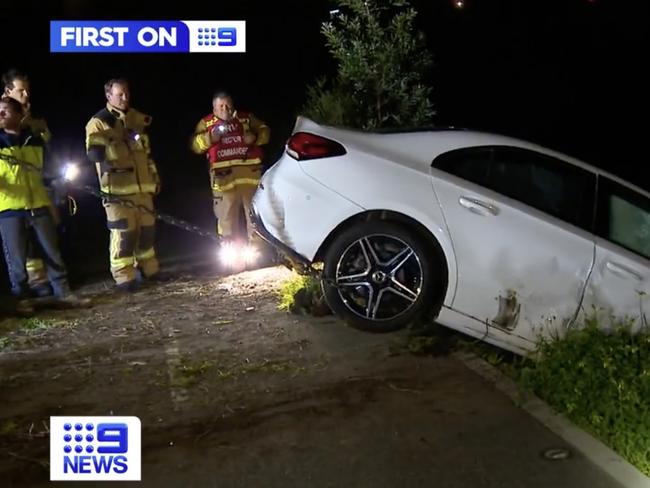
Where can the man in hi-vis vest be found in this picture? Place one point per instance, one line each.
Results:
(17, 86)
(24, 205)
(231, 141)
(117, 142)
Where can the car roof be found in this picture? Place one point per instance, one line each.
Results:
(437, 140)
(468, 137)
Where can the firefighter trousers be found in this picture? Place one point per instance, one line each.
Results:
(227, 208)
(217, 197)
(132, 235)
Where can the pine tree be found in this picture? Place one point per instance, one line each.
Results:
(382, 63)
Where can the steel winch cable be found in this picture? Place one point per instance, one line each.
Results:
(169, 219)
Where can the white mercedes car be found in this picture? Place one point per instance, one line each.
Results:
(498, 238)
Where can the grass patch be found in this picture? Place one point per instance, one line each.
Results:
(278, 366)
(38, 324)
(18, 331)
(298, 293)
(428, 339)
(8, 427)
(601, 381)
(188, 374)
(266, 366)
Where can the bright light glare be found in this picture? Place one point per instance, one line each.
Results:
(70, 172)
(228, 253)
(234, 254)
(250, 254)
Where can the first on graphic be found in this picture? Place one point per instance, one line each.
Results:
(181, 36)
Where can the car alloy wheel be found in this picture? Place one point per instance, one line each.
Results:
(379, 277)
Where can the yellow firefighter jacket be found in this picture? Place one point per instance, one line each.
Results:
(117, 143)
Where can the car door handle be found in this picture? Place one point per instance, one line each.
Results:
(478, 207)
(623, 271)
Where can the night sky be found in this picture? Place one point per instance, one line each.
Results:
(568, 74)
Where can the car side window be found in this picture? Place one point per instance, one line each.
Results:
(551, 185)
(471, 164)
(624, 217)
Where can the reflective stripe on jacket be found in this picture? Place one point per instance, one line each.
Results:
(225, 179)
(231, 150)
(21, 188)
(117, 143)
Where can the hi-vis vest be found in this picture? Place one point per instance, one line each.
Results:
(231, 149)
(118, 145)
(21, 187)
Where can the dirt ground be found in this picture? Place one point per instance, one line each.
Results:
(206, 347)
(233, 392)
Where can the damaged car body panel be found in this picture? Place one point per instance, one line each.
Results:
(284, 188)
(520, 270)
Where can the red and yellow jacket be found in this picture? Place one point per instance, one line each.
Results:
(232, 161)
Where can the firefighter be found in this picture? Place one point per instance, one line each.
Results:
(118, 144)
(231, 141)
(24, 204)
(16, 86)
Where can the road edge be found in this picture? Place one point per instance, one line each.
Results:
(593, 449)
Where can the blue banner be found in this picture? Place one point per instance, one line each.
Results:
(147, 36)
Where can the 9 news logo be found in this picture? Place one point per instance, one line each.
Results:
(95, 448)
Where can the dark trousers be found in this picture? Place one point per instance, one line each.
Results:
(14, 231)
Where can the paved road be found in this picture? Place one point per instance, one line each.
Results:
(428, 423)
(413, 422)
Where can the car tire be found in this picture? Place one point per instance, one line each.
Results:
(379, 276)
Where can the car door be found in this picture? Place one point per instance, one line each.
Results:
(620, 282)
(520, 225)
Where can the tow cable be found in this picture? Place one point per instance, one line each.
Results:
(229, 252)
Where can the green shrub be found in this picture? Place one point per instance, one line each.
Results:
(382, 68)
(601, 381)
(298, 292)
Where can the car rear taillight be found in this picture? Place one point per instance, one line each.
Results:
(303, 146)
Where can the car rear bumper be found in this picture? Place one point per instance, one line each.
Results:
(296, 212)
(263, 232)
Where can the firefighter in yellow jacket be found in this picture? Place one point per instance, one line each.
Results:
(117, 142)
(231, 141)
(17, 86)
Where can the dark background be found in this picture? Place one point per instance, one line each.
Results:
(568, 74)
